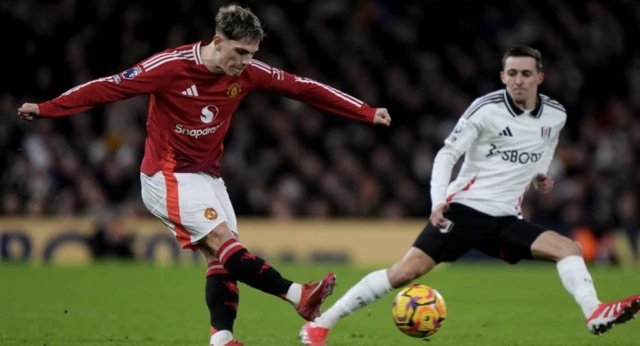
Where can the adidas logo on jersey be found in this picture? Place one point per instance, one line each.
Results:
(506, 132)
(191, 91)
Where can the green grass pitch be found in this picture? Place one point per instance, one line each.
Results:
(124, 304)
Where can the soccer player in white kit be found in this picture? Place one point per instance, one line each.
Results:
(509, 138)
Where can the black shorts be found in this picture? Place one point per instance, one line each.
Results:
(506, 237)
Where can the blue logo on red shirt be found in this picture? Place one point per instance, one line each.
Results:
(131, 73)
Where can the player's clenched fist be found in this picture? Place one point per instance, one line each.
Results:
(544, 183)
(29, 111)
(382, 117)
(437, 216)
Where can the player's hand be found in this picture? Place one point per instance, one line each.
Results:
(29, 111)
(382, 117)
(544, 183)
(437, 216)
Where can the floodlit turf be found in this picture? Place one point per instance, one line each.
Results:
(107, 305)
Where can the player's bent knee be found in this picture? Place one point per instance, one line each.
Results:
(415, 264)
(402, 275)
(553, 246)
(218, 236)
(568, 247)
(572, 248)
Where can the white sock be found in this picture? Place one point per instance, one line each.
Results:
(294, 293)
(577, 280)
(221, 338)
(371, 287)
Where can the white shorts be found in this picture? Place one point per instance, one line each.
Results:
(191, 205)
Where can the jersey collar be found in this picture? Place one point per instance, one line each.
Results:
(515, 110)
(196, 52)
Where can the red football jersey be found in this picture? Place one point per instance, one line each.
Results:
(190, 107)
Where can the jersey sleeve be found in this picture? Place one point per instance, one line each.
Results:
(467, 129)
(461, 138)
(309, 91)
(152, 75)
(443, 164)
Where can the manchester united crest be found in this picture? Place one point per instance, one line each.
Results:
(234, 90)
(210, 214)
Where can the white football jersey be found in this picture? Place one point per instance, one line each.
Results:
(505, 147)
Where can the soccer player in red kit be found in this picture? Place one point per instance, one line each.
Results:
(195, 90)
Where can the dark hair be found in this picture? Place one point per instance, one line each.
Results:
(523, 51)
(239, 24)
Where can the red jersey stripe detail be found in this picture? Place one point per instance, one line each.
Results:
(465, 188)
(173, 200)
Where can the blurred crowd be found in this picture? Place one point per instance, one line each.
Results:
(423, 60)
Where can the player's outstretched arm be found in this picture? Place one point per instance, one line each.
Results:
(133, 82)
(316, 94)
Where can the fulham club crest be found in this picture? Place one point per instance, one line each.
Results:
(545, 132)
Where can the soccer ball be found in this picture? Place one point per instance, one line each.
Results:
(419, 311)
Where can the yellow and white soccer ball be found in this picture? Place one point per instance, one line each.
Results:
(419, 311)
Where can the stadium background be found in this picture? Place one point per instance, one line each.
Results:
(308, 185)
(423, 60)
